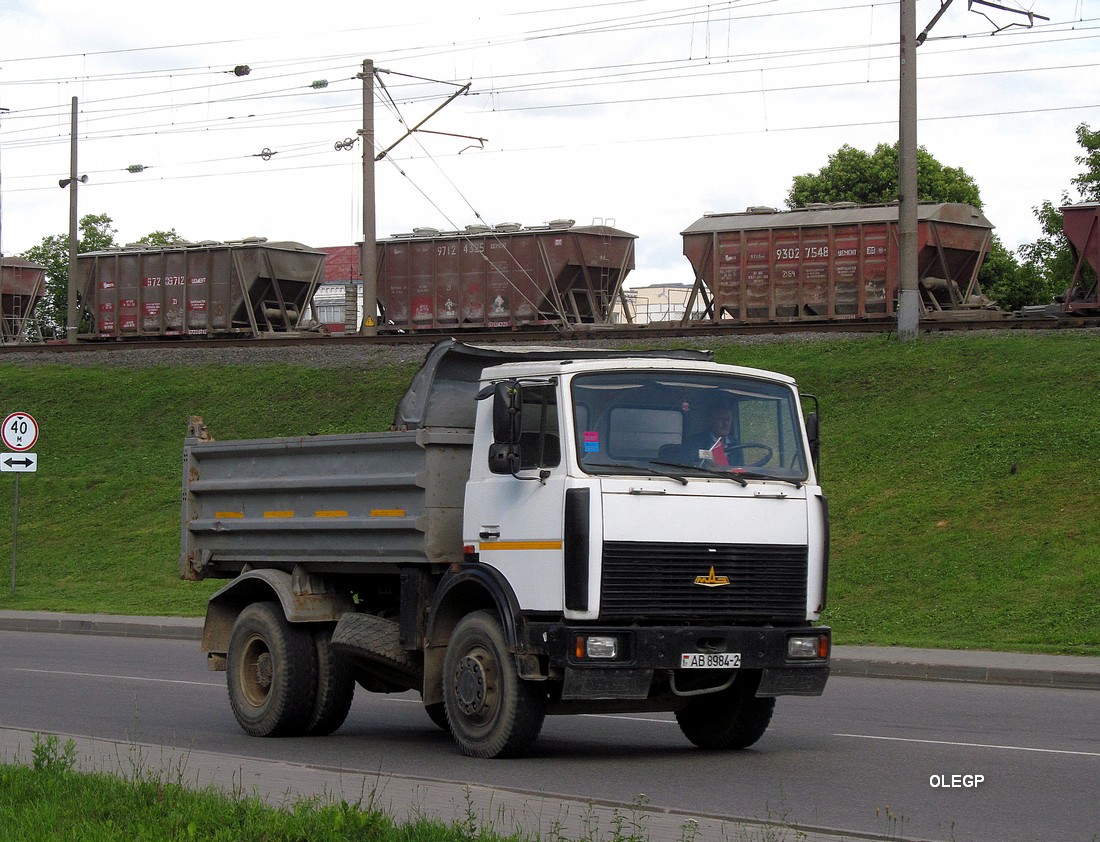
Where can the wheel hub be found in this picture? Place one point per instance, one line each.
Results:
(264, 671)
(470, 684)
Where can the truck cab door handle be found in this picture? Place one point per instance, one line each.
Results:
(488, 536)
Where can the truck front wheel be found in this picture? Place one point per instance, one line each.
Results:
(491, 710)
(271, 673)
(732, 718)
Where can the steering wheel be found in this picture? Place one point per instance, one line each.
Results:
(749, 445)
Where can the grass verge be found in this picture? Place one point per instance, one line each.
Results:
(962, 474)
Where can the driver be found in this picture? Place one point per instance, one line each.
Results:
(716, 437)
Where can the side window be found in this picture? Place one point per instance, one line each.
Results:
(766, 422)
(539, 441)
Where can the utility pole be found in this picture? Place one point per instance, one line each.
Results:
(368, 258)
(72, 318)
(908, 293)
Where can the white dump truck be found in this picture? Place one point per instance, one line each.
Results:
(543, 531)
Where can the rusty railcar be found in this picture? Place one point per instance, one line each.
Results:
(22, 286)
(1081, 224)
(501, 277)
(837, 261)
(246, 288)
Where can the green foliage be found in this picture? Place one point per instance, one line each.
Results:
(1011, 285)
(853, 175)
(1088, 182)
(51, 757)
(161, 238)
(1049, 259)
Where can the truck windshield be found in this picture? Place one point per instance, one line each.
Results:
(687, 423)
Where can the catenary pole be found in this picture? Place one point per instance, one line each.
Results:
(368, 260)
(908, 294)
(72, 319)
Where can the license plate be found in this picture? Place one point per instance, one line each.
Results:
(710, 661)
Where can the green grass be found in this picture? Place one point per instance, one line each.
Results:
(49, 800)
(963, 474)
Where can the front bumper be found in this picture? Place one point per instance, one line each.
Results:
(648, 660)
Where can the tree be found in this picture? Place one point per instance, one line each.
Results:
(1088, 183)
(1050, 259)
(95, 234)
(852, 175)
(161, 238)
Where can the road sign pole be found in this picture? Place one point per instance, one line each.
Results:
(14, 533)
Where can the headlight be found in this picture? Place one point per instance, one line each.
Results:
(596, 647)
(806, 647)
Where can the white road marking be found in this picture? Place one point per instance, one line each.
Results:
(971, 745)
(120, 677)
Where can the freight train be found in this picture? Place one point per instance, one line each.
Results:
(824, 263)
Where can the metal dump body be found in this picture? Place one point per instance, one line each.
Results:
(329, 503)
(833, 261)
(503, 276)
(249, 288)
(22, 286)
(1081, 224)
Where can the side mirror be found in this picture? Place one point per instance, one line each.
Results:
(813, 433)
(507, 400)
(504, 457)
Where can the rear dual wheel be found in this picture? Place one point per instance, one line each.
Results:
(284, 679)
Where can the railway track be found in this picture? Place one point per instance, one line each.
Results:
(653, 330)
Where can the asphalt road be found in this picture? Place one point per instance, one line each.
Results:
(889, 758)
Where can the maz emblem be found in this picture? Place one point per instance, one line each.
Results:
(712, 581)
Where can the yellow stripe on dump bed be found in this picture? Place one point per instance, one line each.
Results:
(520, 545)
(225, 515)
(279, 514)
(387, 512)
(331, 513)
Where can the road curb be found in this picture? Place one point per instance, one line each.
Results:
(1067, 672)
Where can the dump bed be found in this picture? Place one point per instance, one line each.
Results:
(326, 503)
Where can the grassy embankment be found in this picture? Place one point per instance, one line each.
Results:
(963, 474)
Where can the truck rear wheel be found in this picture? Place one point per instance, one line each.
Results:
(335, 687)
(491, 710)
(271, 673)
(731, 719)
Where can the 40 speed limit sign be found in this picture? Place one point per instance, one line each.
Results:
(20, 431)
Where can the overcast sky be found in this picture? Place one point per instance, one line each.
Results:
(647, 113)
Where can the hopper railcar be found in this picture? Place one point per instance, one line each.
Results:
(22, 286)
(833, 262)
(247, 288)
(1081, 224)
(495, 278)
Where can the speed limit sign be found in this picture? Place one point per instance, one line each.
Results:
(20, 431)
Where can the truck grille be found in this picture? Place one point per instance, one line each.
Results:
(658, 581)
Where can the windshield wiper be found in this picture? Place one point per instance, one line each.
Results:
(708, 471)
(751, 475)
(641, 469)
